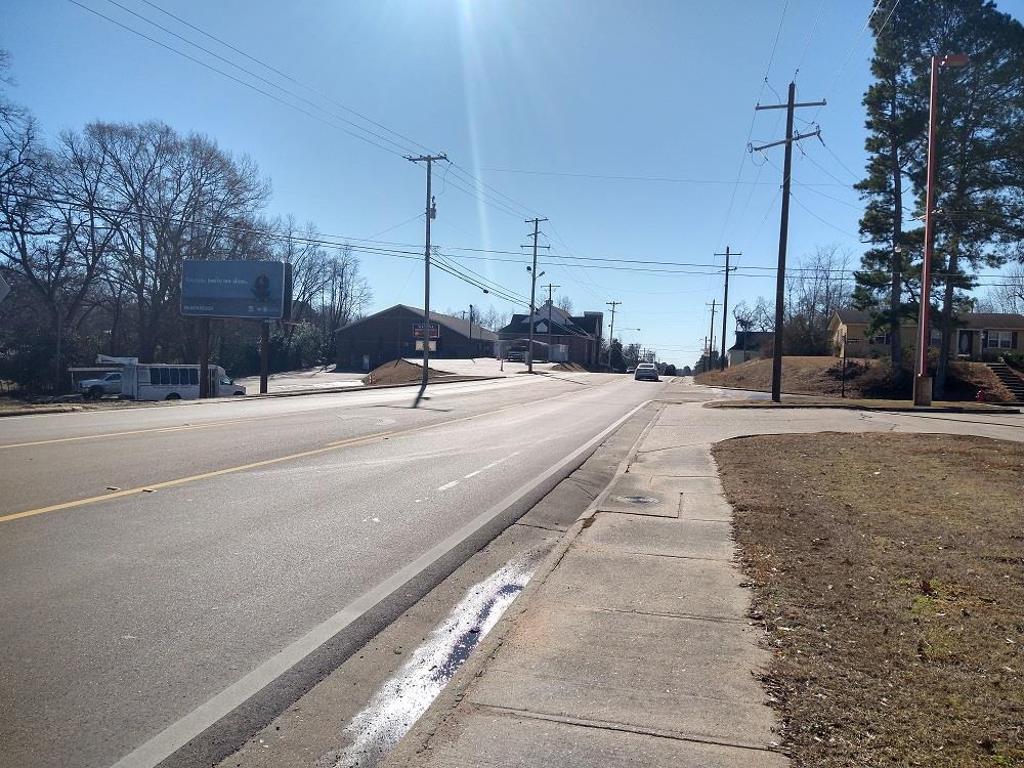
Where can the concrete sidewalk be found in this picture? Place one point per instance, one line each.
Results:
(632, 646)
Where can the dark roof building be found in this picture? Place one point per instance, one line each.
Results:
(572, 339)
(748, 346)
(392, 333)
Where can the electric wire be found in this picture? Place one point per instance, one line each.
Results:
(228, 75)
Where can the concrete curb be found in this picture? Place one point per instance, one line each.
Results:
(364, 388)
(417, 740)
(742, 405)
(45, 411)
(249, 398)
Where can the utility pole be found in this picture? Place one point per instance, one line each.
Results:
(611, 331)
(551, 289)
(711, 343)
(725, 302)
(780, 277)
(707, 357)
(431, 213)
(533, 288)
(471, 328)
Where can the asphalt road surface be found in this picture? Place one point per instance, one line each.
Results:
(152, 558)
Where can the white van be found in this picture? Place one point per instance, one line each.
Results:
(164, 381)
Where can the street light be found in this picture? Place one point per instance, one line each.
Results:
(922, 381)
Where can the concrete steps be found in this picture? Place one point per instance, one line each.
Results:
(1012, 380)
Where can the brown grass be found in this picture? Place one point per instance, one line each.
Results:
(888, 573)
(864, 378)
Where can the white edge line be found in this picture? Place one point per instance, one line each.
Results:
(489, 466)
(446, 486)
(171, 739)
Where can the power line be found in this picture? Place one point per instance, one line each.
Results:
(228, 75)
(344, 242)
(652, 179)
(486, 198)
(824, 221)
(258, 77)
(285, 75)
(753, 118)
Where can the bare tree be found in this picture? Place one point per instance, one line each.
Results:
(175, 198)
(1008, 296)
(820, 285)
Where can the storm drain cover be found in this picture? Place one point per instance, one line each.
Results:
(639, 499)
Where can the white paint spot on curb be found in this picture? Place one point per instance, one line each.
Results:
(400, 701)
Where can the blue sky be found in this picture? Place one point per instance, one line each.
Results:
(517, 94)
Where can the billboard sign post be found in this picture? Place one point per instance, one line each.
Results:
(243, 290)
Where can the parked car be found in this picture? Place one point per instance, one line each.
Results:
(631, 369)
(107, 385)
(648, 371)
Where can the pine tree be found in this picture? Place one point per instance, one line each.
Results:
(980, 196)
(895, 122)
(980, 200)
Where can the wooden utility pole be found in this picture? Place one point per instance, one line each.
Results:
(725, 302)
(780, 277)
(711, 342)
(611, 330)
(431, 213)
(551, 289)
(533, 288)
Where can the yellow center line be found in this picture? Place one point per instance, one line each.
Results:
(131, 432)
(191, 478)
(349, 442)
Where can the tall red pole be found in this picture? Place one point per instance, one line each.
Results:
(922, 381)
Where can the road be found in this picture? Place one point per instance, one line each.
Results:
(153, 558)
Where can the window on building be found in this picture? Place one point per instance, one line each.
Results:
(882, 338)
(1000, 340)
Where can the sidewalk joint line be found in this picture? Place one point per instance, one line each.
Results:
(598, 547)
(619, 727)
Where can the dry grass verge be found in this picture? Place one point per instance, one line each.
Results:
(889, 572)
(823, 376)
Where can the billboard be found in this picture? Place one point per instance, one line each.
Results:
(253, 290)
